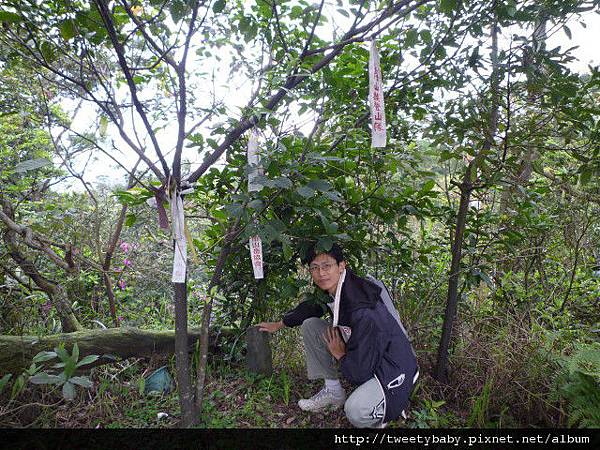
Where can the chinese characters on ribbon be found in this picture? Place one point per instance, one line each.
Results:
(378, 133)
(256, 254)
(253, 186)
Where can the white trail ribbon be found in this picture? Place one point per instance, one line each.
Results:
(257, 257)
(180, 257)
(378, 133)
(253, 186)
(253, 162)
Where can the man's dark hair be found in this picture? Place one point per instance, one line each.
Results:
(335, 252)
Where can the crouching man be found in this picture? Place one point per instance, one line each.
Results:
(367, 342)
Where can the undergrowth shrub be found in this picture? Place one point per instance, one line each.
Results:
(500, 378)
(578, 382)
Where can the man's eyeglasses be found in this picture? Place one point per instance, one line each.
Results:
(323, 268)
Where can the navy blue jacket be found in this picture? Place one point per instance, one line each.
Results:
(378, 345)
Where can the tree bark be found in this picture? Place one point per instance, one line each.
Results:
(54, 291)
(107, 262)
(16, 352)
(189, 414)
(452, 297)
(214, 281)
(466, 188)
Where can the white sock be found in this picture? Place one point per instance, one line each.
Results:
(333, 385)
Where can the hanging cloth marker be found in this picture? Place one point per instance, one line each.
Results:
(253, 162)
(378, 134)
(253, 186)
(180, 257)
(256, 255)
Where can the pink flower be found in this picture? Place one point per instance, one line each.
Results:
(127, 262)
(121, 284)
(118, 269)
(125, 247)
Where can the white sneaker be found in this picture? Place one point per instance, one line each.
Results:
(322, 399)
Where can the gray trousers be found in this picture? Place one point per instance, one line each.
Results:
(365, 406)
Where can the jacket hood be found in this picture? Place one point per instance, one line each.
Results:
(358, 293)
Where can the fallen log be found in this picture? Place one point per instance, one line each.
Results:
(16, 352)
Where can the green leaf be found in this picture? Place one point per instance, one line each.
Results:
(474, 58)
(218, 6)
(324, 244)
(81, 381)
(334, 196)
(586, 175)
(568, 32)
(440, 52)
(282, 182)
(484, 276)
(331, 227)
(130, 220)
(426, 36)
(10, 17)
(47, 50)
(447, 6)
(411, 38)
(213, 144)
(305, 191)
(251, 33)
(44, 356)
(18, 386)
(75, 355)
(428, 186)
(287, 253)
(219, 215)
(103, 125)
(87, 360)
(32, 164)
(264, 9)
(68, 391)
(319, 185)
(4, 381)
(256, 204)
(177, 10)
(62, 353)
(44, 378)
(234, 209)
(297, 11)
(67, 29)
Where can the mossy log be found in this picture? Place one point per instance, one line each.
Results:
(16, 352)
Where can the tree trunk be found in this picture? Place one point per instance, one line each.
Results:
(214, 281)
(452, 297)
(107, 262)
(189, 414)
(466, 188)
(16, 352)
(55, 292)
